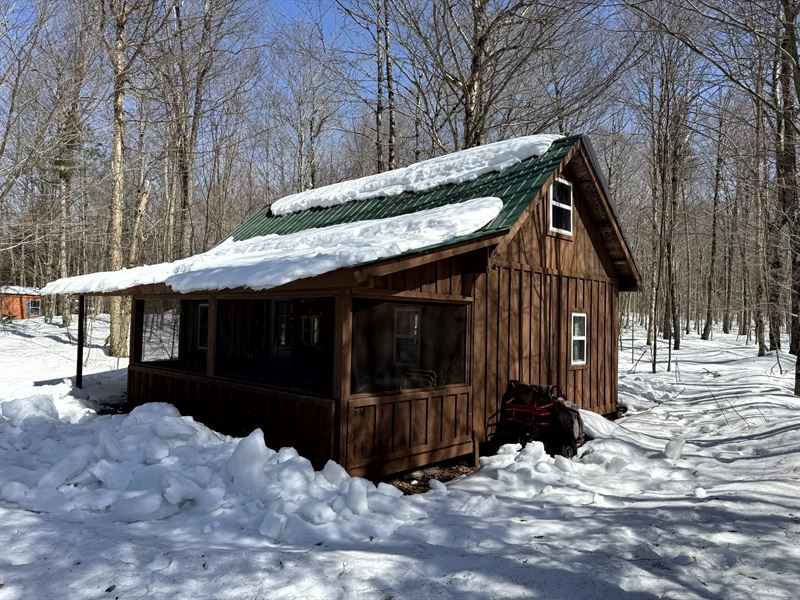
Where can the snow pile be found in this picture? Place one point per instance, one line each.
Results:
(49, 403)
(153, 464)
(428, 174)
(269, 261)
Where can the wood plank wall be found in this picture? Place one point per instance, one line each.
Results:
(304, 422)
(522, 314)
(408, 429)
(521, 331)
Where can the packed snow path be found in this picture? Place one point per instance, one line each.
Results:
(695, 494)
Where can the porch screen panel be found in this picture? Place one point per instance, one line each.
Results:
(286, 343)
(161, 330)
(407, 345)
(173, 333)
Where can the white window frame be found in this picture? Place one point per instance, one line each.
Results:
(552, 203)
(416, 310)
(578, 338)
(37, 308)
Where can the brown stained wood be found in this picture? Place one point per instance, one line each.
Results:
(515, 326)
(409, 295)
(456, 277)
(492, 352)
(519, 299)
(286, 417)
(449, 418)
(526, 327)
(384, 428)
(429, 278)
(401, 264)
(435, 414)
(479, 354)
(443, 269)
(537, 329)
(432, 420)
(419, 422)
(402, 425)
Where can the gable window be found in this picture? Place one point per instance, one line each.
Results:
(561, 207)
(578, 338)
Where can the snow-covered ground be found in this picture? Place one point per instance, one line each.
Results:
(695, 494)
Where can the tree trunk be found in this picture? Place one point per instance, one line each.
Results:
(387, 43)
(118, 337)
(731, 221)
(712, 262)
(63, 270)
(379, 89)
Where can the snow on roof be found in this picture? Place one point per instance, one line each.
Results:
(18, 290)
(428, 174)
(269, 261)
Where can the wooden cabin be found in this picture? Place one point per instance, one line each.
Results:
(402, 362)
(18, 302)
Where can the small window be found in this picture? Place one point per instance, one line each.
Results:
(578, 338)
(34, 308)
(406, 335)
(561, 207)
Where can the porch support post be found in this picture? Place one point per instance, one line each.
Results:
(81, 328)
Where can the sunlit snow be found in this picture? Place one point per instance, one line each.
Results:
(456, 167)
(694, 494)
(269, 261)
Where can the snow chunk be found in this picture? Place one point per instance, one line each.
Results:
(357, 496)
(674, 448)
(246, 464)
(428, 174)
(112, 475)
(67, 468)
(39, 406)
(137, 506)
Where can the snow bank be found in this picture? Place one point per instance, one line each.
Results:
(428, 174)
(154, 463)
(269, 261)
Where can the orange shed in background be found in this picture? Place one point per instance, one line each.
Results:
(20, 302)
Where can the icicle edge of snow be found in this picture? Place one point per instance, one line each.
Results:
(457, 167)
(269, 261)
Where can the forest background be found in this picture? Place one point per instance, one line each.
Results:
(141, 131)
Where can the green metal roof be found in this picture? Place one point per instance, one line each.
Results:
(516, 186)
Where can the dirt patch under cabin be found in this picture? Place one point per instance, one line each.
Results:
(418, 481)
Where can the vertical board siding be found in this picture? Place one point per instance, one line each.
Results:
(399, 427)
(287, 419)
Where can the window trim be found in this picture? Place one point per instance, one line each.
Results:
(573, 338)
(552, 203)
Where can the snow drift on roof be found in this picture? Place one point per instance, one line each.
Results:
(18, 290)
(428, 174)
(268, 261)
